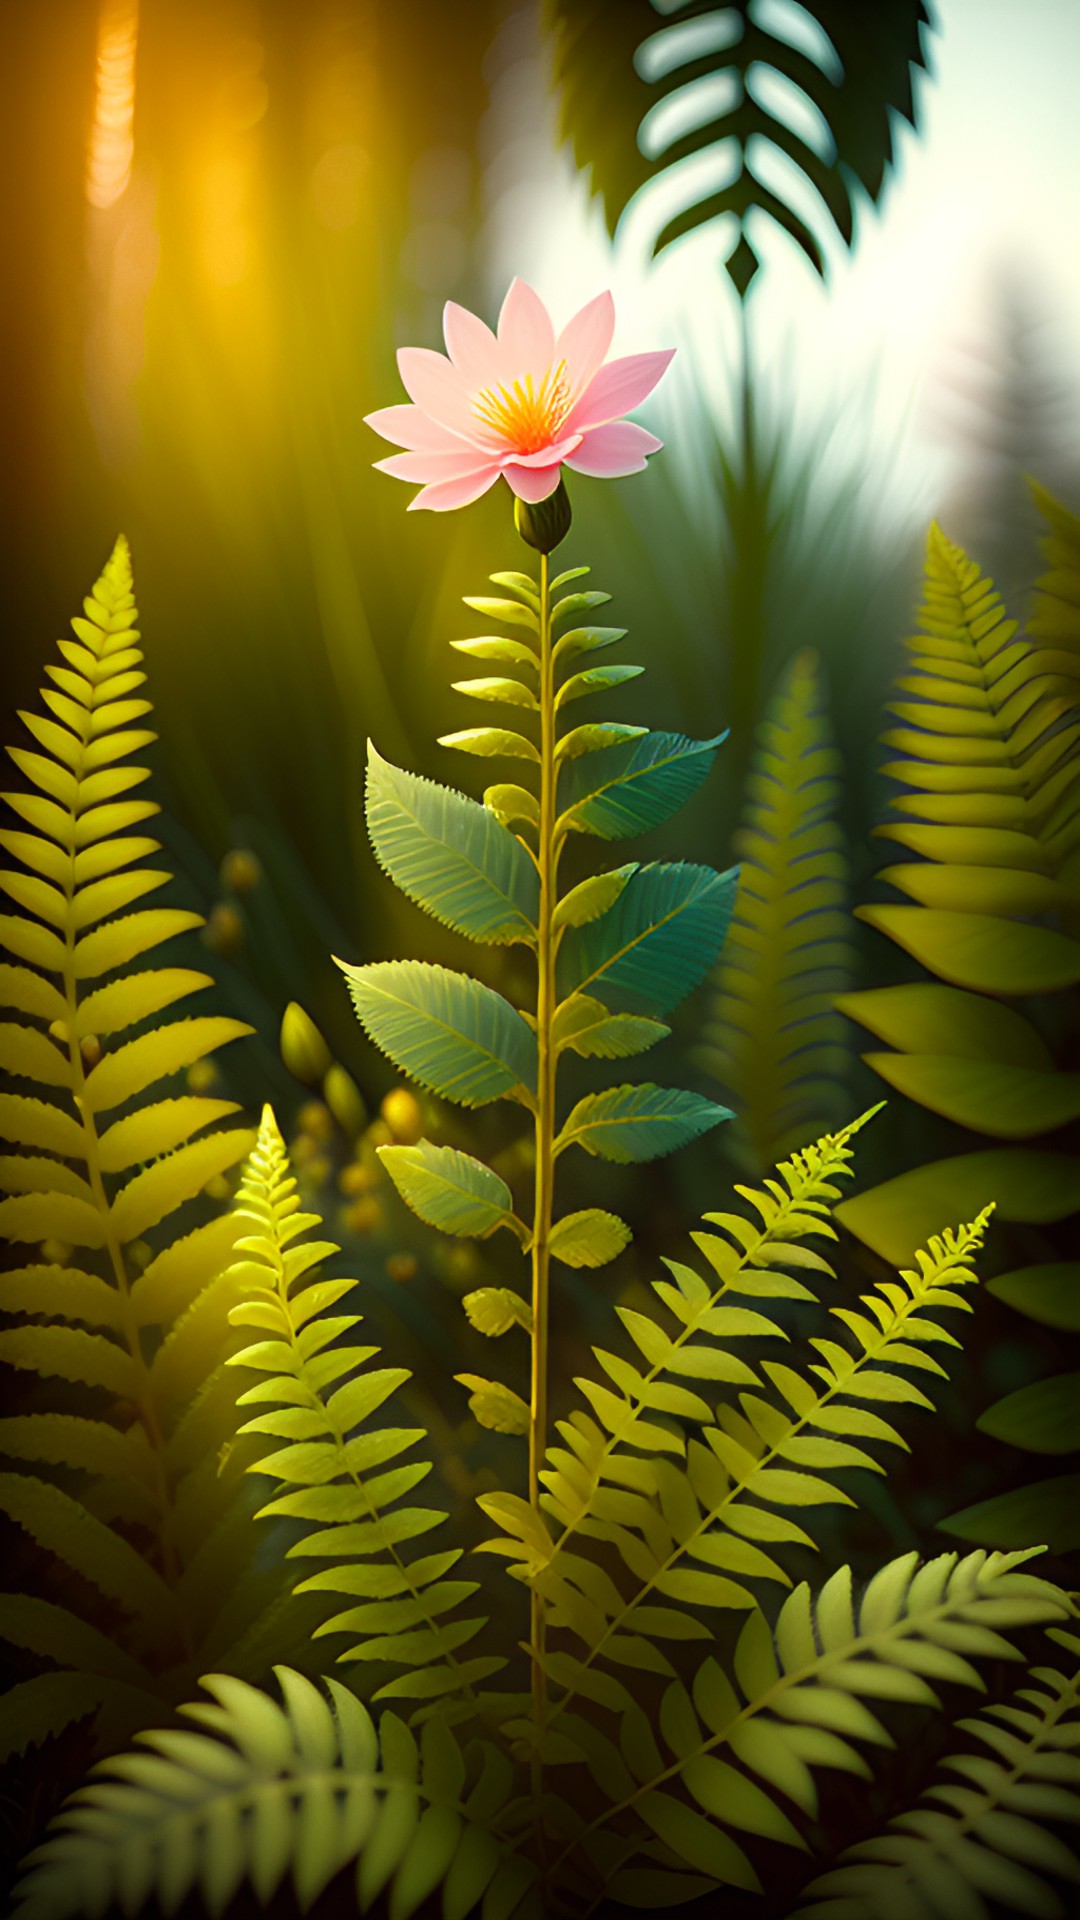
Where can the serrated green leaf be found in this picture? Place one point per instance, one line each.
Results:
(587, 1027)
(594, 680)
(638, 1123)
(450, 1190)
(450, 1033)
(633, 787)
(595, 738)
(589, 1239)
(655, 943)
(592, 897)
(486, 742)
(451, 855)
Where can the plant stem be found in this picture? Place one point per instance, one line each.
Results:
(545, 1135)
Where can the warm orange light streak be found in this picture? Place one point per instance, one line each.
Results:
(112, 144)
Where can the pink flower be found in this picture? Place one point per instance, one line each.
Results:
(522, 404)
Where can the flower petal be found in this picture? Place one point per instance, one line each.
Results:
(584, 341)
(615, 449)
(555, 451)
(618, 387)
(445, 494)
(526, 335)
(438, 389)
(471, 345)
(427, 466)
(409, 426)
(532, 483)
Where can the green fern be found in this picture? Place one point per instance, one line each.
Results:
(795, 1701)
(690, 1536)
(980, 1841)
(773, 1039)
(154, 1578)
(314, 1407)
(989, 731)
(639, 88)
(301, 1791)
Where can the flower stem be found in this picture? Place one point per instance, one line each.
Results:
(545, 1136)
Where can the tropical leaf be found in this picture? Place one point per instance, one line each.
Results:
(746, 111)
(773, 1039)
(654, 944)
(450, 1033)
(451, 855)
(302, 1790)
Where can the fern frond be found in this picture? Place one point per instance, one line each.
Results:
(984, 1840)
(773, 1038)
(705, 1529)
(797, 1700)
(989, 746)
(642, 94)
(106, 1156)
(796, 1206)
(337, 1475)
(300, 1790)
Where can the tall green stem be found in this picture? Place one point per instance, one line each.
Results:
(545, 1123)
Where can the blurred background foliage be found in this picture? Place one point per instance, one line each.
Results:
(222, 216)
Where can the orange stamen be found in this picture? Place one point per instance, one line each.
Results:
(527, 415)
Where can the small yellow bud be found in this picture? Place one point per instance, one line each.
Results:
(358, 1177)
(55, 1253)
(345, 1101)
(90, 1048)
(364, 1216)
(316, 1119)
(401, 1267)
(401, 1111)
(224, 930)
(303, 1048)
(240, 871)
(218, 1188)
(202, 1076)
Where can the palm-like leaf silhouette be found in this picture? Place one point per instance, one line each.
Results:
(749, 92)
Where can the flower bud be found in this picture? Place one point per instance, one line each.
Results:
(542, 524)
(303, 1048)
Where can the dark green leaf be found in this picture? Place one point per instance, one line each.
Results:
(628, 789)
(656, 942)
(450, 1033)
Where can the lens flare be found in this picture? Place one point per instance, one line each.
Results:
(112, 144)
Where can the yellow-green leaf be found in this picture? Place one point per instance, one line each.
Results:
(495, 1406)
(589, 1239)
(37, 1123)
(180, 1176)
(27, 1052)
(157, 1129)
(124, 1002)
(122, 940)
(136, 1066)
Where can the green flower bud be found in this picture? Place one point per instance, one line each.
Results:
(545, 523)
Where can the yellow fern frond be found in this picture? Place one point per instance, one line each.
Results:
(319, 1407)
(107, 1154)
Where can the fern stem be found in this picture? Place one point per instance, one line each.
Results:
(147, 1411)
(545, 1139)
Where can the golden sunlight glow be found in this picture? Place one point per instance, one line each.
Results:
(112, 145)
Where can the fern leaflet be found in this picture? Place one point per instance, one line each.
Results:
(318, 1403)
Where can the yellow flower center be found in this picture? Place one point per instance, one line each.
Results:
(527, 415)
